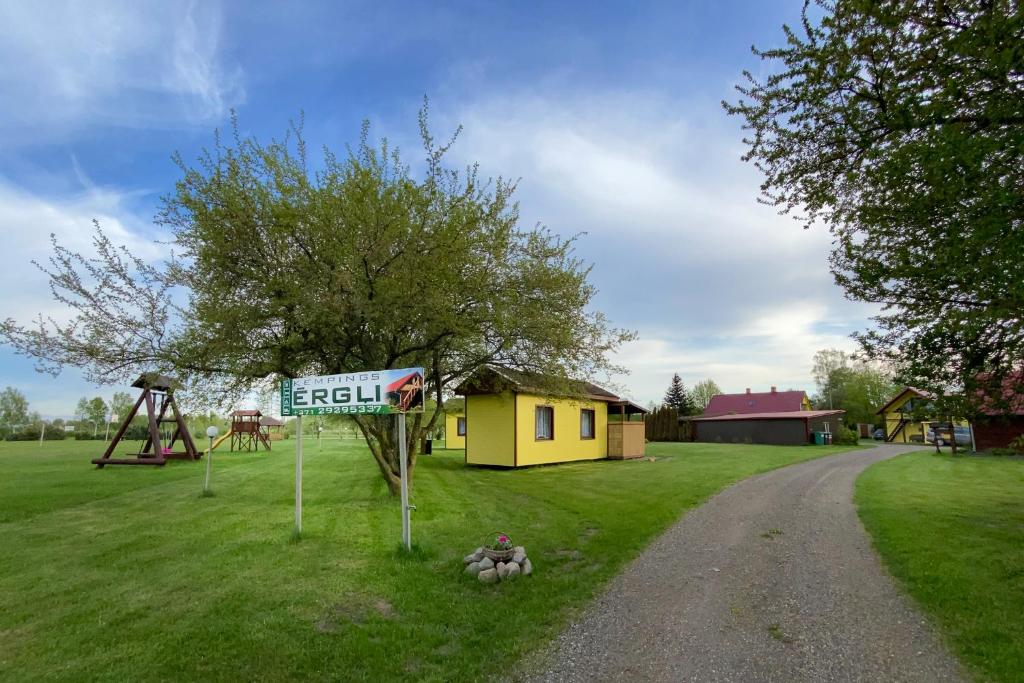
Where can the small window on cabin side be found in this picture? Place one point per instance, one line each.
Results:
(460, 426)
(586, 424)
(544, 423)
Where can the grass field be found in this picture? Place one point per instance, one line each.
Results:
(128, 574)
(952, 531)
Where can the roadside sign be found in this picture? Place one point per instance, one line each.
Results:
(378, 392)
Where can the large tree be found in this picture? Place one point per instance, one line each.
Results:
(91, 410)
(120, 404)
(847, 383)
(703, 391)
(293, 267)
(900, 126)
(13, 408)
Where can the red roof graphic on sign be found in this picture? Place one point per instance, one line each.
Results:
(408, 388)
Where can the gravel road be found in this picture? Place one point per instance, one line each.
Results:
(774, 579)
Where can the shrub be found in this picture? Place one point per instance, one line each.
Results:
(845, 436)
(31, 433)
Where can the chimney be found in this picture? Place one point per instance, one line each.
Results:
(773, 389)
(748, 390)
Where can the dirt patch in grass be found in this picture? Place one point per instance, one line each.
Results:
(354, 613)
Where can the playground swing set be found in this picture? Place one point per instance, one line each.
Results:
(158, 396)
(247, 433)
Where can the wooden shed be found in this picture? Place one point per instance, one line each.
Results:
(784, 428)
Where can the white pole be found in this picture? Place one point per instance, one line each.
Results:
(42, 433)
(209, 457)
(298, 474)
(403, 468)
(106, 437)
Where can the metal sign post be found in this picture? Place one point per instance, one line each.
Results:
(375, 392)
(403, 456)
(298, 475)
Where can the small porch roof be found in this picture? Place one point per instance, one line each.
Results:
(630, 407)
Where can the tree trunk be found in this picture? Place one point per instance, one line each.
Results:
(381, 435)
(952, 436)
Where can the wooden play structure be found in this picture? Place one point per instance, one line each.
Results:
(158, 396)
(247, 432)
(273, 427)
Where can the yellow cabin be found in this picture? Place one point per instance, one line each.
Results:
(510, 423)
(454, 423)
(909, 416)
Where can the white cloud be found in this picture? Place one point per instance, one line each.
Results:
(70, 65)
(716, 284)
(26, 222)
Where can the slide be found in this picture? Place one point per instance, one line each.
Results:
(220, 440)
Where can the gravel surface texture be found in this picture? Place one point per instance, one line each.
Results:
(774, 579)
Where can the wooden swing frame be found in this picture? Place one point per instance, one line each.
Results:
(156, 389)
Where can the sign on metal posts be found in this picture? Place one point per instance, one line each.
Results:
(377, 392)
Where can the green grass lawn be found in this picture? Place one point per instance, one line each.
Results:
(128, 574)
(952, 531)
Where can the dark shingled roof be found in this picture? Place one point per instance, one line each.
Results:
(491, 379)
(754, 402)
(154, 380)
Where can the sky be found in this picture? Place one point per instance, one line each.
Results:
(608, 113)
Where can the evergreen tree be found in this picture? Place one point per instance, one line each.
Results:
(677, 397)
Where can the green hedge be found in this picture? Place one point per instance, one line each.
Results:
(31, 433)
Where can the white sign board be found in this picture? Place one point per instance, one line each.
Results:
(377, 392)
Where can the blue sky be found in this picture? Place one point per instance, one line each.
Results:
(608, 112)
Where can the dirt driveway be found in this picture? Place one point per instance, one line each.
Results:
(773, 579)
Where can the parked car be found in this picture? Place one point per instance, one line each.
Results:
(962, 435)
(878, 434)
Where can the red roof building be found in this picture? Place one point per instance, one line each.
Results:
(773, 401)
(1001, 420)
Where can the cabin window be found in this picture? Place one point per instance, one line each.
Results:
(586, 424)
(544, 423)
(460, 426)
